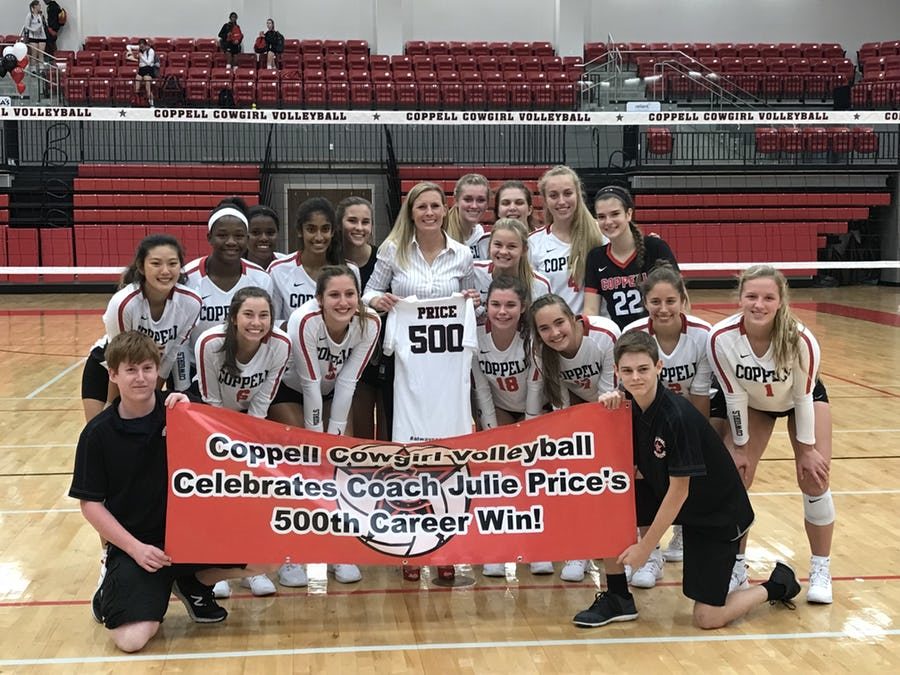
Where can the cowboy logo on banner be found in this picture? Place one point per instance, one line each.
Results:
(557, 487)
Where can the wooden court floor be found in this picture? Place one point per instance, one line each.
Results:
(521, 624)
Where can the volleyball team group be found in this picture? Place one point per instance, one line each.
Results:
(584, 309)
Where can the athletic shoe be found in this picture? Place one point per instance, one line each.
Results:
(740, 579)
(573, 570)
(446, 572)
(494, 570)
(783, 574)
(221, 590)
(345, 573)
(411, 572)
(541, 568)
(651, 571)
(198, 600)
(96, 607)
(628, 574)
(607, 608)
(674, 552)
(260, 585)
(819, 589)
(292, 575)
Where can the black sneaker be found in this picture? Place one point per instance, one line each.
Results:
(96, 607)
(607, 608)
(783, 574)
(198, 600)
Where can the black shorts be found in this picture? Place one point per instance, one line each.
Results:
(286, 394)
(645, 503)
(820, 395)
(94, 377)
(146, 71)
(708, 562)
(230, 47)
(131, 593)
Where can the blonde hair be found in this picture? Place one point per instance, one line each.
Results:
(584, 233)
(401, 235)
(785, 331)
(454, 221)
(524, 271)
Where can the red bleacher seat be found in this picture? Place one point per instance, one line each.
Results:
(338, 89)
(335, 61)
(267, 88)
(415, 47)
(452, 94)
(123, 85)
(313, 75)
(659, 141)
(384, 94)
(76, 84)
(479, 48)
(815, 139)
(315, 92)
(197, 85)
(183, 44)
(357, 47)
(429, 93)
(101, 84)
(219, 79)
(95, 43)
(291, 88)
(406, 93)
(311, 47)
(768, 141)
(841, 140)
(209, 45)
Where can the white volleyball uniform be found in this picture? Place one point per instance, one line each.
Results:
(477, 242)
(321, 366)
(433, 342)
(293, 287)
(484, 275)
(504, 379)
(549, 257)
(686, 370)
(751, 381)
(128, 309)
(216, 301)
(253, 387)
(591, 371)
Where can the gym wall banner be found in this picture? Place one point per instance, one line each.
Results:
(554, 488)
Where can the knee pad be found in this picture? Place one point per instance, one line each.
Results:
(819, 510)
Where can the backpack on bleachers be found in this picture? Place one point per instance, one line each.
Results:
(226, 98)
(171, 91)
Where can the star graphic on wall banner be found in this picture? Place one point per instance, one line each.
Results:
(122, 113)
(619, 118)
(376, 116)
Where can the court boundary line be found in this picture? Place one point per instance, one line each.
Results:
(54, 380)
(453, 646)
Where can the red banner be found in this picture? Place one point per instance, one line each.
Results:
(554, 488)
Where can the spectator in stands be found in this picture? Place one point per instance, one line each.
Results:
(472, 195)
(230, 38)
(559, 251)
(147, 68)
(614, 271)
(35, 31)
(53, 25)
(270, 43)
(513, 200)
(262, 236)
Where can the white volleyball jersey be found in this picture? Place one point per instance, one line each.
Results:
(128, 309)
(484, 275)
(322, 366)
(215, 300)
(253, 387)
(433, 342)
(686, 370)
(591, 371)
(477, 242)
(755, 381)
(549, 257)
(293, 287)
(504, 379)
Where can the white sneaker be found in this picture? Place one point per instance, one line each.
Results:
(345, 573)
(494, 569)
(819, 588)
(573, 570)
(259, 585)
(221, 590)
(651, 572)
(541, 568)
(102, 571)
(740, 579)
(674, 552)
(628, 574)
(292, 575)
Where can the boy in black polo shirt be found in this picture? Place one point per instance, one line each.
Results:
(693, 481)
(121, 479)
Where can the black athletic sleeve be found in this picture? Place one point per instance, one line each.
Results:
(656, 248)
(89, 479)
(685, 456)
(591, 278)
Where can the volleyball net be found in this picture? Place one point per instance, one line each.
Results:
(812, 191)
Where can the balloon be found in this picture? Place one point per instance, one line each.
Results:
(17, 74)
(2, 69)
(19, 50)
(20, 86)
(9, 62)
(23, 62)
(7, 50)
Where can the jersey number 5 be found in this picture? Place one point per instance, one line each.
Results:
(436, 338)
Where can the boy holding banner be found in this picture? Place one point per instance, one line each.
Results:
(693, 482)
(121, 480)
